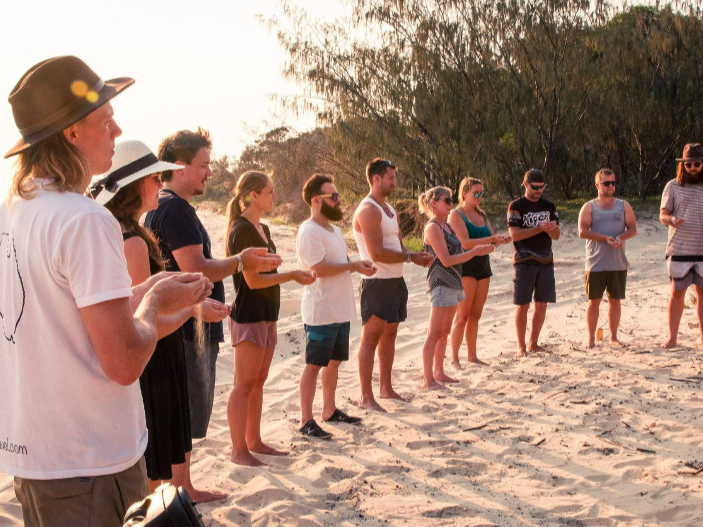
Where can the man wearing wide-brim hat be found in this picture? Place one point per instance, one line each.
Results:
(77, 336)
(682, 211)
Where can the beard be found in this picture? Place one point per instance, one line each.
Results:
(330, 212)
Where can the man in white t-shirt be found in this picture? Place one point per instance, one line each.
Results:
(328, 304)
(77, 336)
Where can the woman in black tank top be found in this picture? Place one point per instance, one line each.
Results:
(163, 382)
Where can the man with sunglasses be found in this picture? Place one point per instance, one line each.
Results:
(605, 223)
(533, 223)
(681, 206)
(328, 305)
(384, 297)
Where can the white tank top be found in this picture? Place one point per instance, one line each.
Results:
(389, 227)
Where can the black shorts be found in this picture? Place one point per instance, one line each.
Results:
(534, 278)
(599, 281)
(326, 343)
(385, 298)
(479, 267)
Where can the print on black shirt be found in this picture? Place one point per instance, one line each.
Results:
(526, 214)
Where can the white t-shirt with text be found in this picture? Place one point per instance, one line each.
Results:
(329, 299)
(60, 415)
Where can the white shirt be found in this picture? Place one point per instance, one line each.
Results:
(391, 240)
(329, 299)
(60, 416)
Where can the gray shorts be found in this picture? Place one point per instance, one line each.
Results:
(200, 369)
(81, 502)
(534, 278)
(441, 296)
(685, 274)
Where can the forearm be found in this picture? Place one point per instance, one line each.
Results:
(590, 235)
(555, 234)
(137, 344)
(519, 234)
(264, 280)
(389, 256)
(138, 292)
(167, 324)
(217, 270)
(331, 269)
(629, 233)
(665, 217)
(470, 243)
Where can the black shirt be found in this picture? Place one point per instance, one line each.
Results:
(526, 214)
(252, 305)
(176, 225)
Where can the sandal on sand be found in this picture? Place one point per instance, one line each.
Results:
(340, 417)
(312, 429)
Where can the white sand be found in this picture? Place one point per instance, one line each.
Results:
(551, 440)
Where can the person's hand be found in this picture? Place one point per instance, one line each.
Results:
(549, 226)
(179, 291)
(611, 241)
(304, 277)
(365, 268)
(620, 243)
(483, 250)
(260, 260)
(212, 311)
(153, 279)
(675, 222)
(507, 238)
(422, 259)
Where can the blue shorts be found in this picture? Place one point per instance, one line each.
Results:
(326, 343)
(441, 296)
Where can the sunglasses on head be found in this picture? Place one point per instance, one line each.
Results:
(335, 196)
(696, 164)
(537, 187)
(607, 183)
(478, 194)
(385, 163)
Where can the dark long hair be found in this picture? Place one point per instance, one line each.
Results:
(683, 177)
(125, 205)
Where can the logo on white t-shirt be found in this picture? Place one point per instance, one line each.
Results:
(12, 299)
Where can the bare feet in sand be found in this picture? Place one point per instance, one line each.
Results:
(246, 459)
(434, 385)
(537, 348)
(477, 361)
(442, 377)
(456, 365)
(370, 404)
(615, 343)
(591, 344)
(203, 496)
(669, 343)
(392, 394)
(263, 448)
(521, 353)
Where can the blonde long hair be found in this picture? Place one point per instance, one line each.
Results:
(465, 187)
(434, 194)
(251, 181)
(55, 161)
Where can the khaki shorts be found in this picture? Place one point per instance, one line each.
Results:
(98, 501)
(261, 334)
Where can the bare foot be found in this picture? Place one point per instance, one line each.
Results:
(442, 377)
(263, 448)
(615, 343)
(521, 353)
(203, 496)
(591, 344)
(369, 405)
(669, 343)
(434, 385)
(392, 394)
(478, 361)
(246, 459)
(537, 347)
(456, 365)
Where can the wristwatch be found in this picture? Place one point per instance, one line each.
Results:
(409, 257)
(240, 267)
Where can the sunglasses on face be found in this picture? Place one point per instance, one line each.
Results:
(448, 200)
(335, 197)
(607, 183)
(695, 164)
(478, 194)
(537, 187)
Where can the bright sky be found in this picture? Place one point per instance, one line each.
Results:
(202, 63)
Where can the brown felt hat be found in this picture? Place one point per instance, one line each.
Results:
(692, 152)
(55, 94)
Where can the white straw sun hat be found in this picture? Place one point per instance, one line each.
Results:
(133, 160)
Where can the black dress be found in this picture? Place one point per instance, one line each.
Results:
(164, 387)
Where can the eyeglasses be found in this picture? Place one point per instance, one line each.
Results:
(335, 197)
(696, 164)
(537, 187)
(607, 183)
(478, 194)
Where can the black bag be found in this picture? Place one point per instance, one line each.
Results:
(167, 507)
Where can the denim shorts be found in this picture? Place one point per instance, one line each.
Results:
(441, 296)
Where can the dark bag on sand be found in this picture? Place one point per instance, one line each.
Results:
(167, 507)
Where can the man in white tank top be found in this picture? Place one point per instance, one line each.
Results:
(384, 297)
(605, 223)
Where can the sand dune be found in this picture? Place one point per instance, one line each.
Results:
(567, 438)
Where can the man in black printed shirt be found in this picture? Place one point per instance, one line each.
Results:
(533, 223)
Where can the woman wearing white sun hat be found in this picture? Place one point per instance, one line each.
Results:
(130, 190)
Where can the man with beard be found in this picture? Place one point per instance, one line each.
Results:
(384, 297)
(605, 223)
(681, 206)
(328, 304)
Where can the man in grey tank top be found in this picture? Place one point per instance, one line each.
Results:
(605, 223)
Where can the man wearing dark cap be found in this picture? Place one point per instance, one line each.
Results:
(533, 223)
(681, 206)
(77, 336)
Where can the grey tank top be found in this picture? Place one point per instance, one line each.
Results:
(609, 222)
